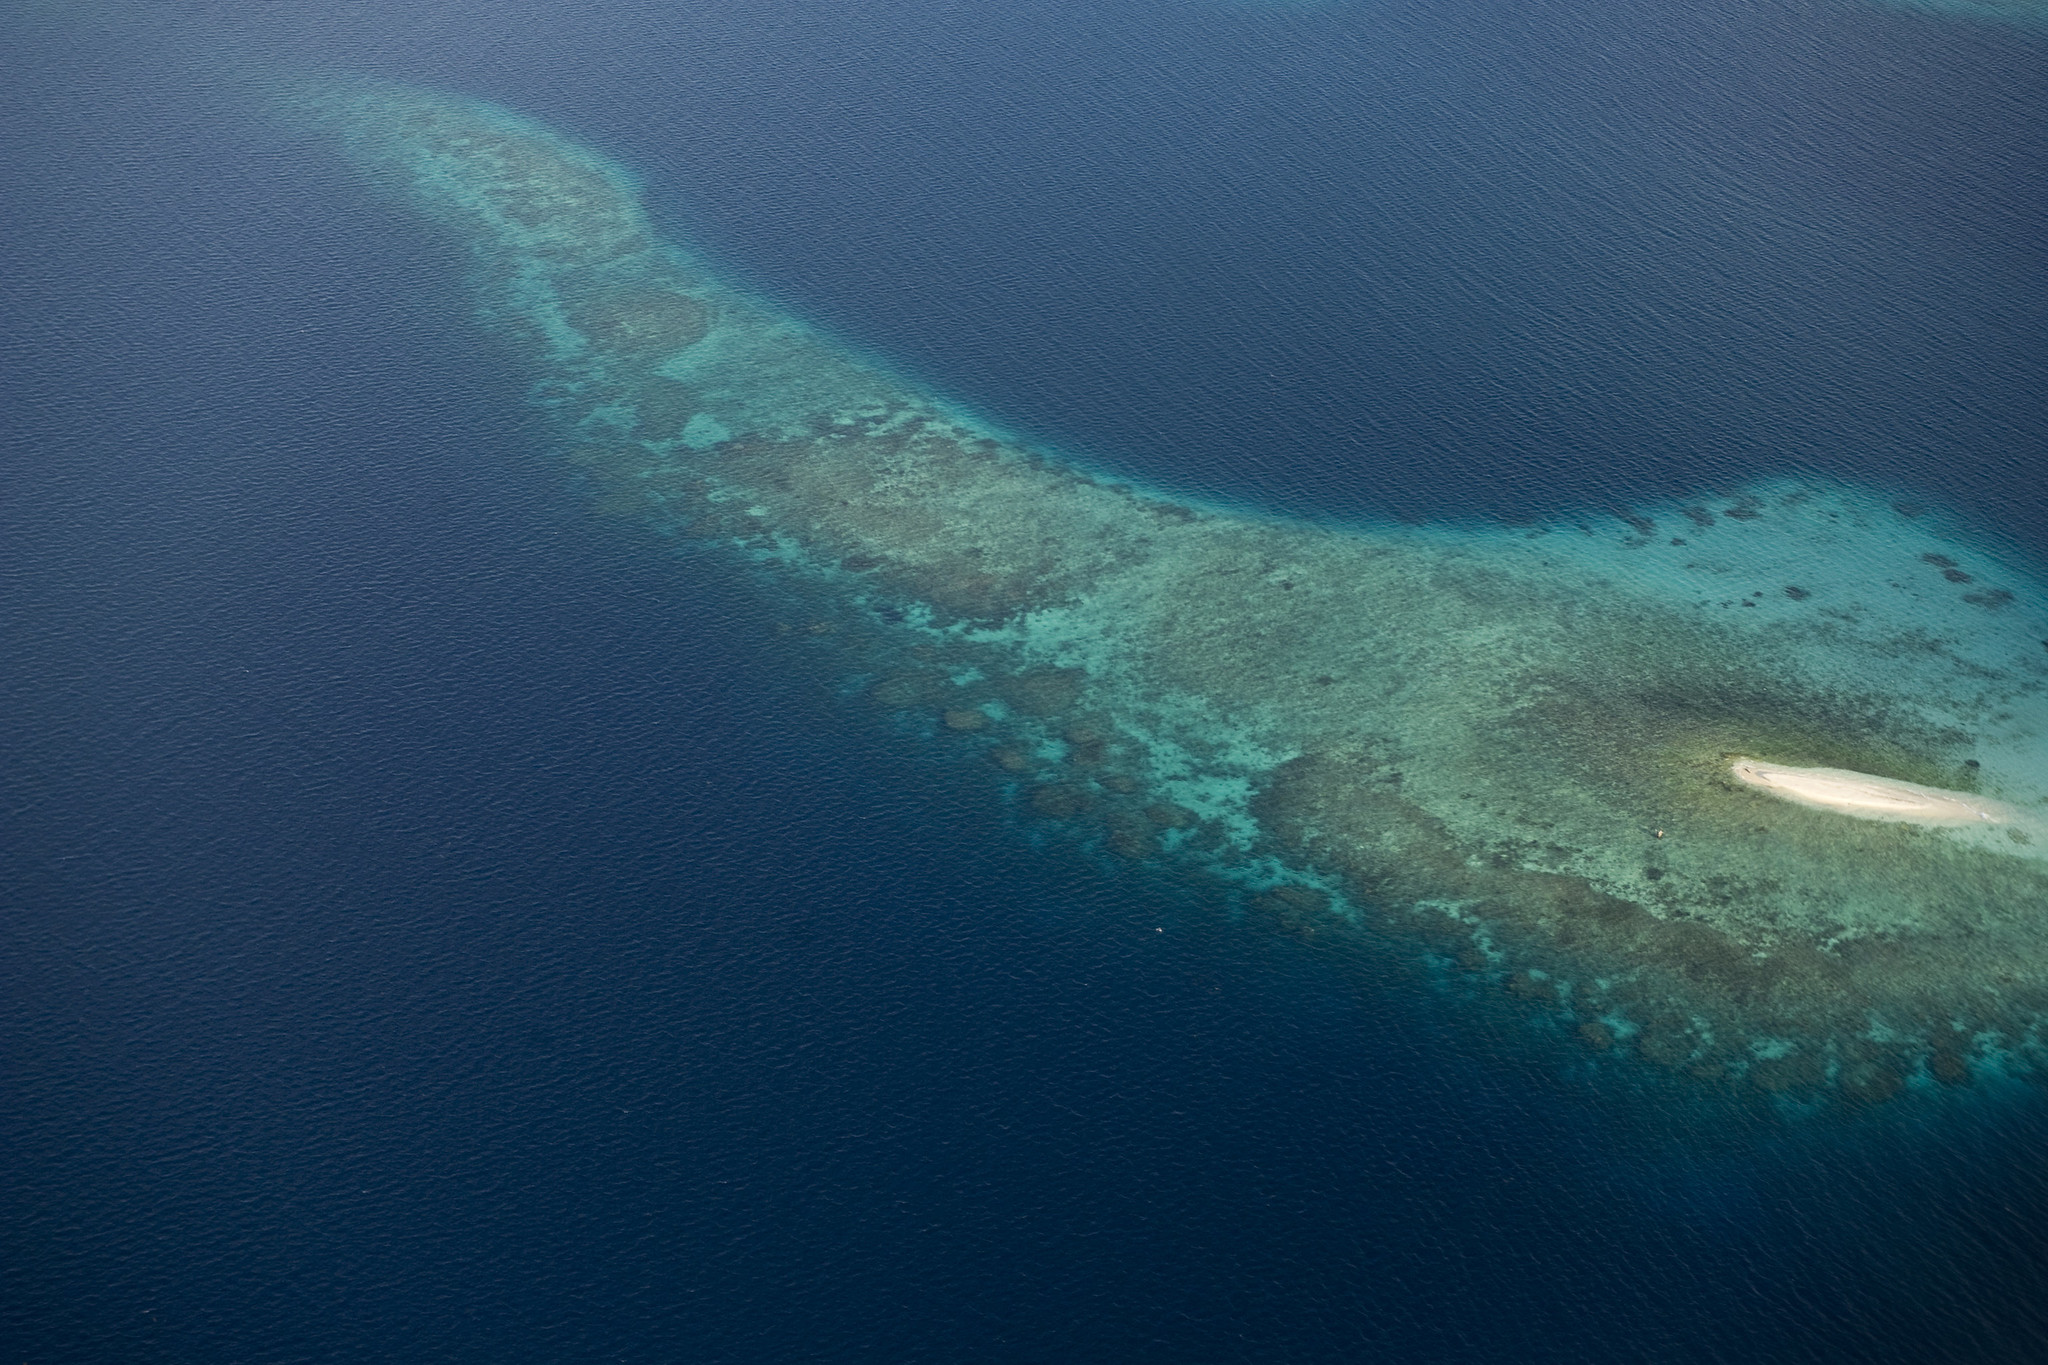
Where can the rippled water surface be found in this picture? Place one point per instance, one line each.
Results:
(445, 923)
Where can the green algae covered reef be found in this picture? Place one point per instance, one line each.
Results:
(1507, 747)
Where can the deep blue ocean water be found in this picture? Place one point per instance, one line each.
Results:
(441, 924)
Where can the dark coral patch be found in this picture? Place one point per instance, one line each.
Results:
(1669, 1040)
(1130, 838)
(1949, 1063)
(641, 324)
(1084, 746)
(1298, 910)
(1799, 1070)
(1169, 816)
(1043, 691)
(1060, 802)
(906, 689)
(662, 408)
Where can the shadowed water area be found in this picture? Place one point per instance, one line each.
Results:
(1512, 747)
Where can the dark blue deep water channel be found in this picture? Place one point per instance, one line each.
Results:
(440, 924)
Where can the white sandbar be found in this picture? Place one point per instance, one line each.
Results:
(1871, 798)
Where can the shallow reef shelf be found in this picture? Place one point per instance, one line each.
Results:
(1513, 744)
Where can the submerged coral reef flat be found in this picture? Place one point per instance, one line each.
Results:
(1512, 746)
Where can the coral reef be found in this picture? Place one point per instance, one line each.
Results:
(1511, 746)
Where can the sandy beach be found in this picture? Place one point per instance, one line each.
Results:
(1871, 798)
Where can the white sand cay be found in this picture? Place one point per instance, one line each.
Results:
(1871, 798)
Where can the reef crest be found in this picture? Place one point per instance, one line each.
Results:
(1513, 746)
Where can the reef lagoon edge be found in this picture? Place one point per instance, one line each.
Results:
(1516, 743)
